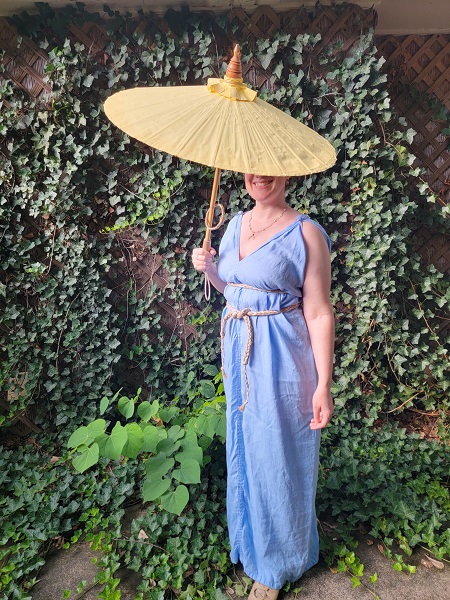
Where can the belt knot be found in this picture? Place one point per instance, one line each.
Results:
(240, 314)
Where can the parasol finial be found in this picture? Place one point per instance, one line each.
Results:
(234, 69)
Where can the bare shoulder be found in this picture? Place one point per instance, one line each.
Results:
(313, 236)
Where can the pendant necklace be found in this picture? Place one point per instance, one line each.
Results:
(254, 233)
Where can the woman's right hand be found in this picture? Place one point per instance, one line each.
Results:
(203, 260)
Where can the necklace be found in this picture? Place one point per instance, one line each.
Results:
(254, 233)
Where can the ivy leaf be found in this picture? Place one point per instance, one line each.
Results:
(190, 377)
(87, 81)
(134, 442)
(404, 512)
(210, 370)
(126, 406)
(189, 471)
(88, 457)
(154, 488)
(175, 501)
(207, 388)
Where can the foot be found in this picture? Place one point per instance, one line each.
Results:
(262, 592)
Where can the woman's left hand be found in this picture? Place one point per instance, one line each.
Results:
(322, 408)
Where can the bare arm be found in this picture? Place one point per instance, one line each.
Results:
(203, 261)
(319, 318)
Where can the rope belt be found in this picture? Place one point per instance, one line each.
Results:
(245, 314)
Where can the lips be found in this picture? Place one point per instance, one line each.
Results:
(261, 183)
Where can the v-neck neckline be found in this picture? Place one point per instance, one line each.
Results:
(274, 236)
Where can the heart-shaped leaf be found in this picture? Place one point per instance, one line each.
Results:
(134, 442)
(88, 457)
(126, 406)
(151, 438)
(112, 447)
(159, 465)
(188, 472)
(167, 446)
(79, 436)
(146, 410)
(153, 489)
(97, 427)
(104, 403)
(175, 501)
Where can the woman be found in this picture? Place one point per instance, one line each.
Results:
(277, 343)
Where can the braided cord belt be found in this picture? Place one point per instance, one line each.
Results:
(245, 315)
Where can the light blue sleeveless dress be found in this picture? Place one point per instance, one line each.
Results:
(272, 454)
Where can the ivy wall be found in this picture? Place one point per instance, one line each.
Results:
(81, 203)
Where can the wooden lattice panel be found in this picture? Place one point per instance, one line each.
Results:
(341, 28)
(24, 62)
(336, 27)
(418, 69)
(422, 61)
(93, 37)
(143, 268)
(262, 23)
(433, 248)
(256, 77)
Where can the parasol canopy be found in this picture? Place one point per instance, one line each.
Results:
(222, 125)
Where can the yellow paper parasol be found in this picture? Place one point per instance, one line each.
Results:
(222, 125)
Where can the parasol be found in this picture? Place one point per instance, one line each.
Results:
(223, 125)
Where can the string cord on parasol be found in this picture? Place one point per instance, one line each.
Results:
(209, 226)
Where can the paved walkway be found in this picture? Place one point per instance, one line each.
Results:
(65, 569)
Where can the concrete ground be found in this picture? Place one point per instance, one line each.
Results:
(65, 569)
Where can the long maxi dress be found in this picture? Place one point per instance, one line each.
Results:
(272, 454)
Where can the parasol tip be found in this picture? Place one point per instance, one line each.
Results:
(234, 69)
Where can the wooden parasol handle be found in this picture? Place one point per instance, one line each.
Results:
(208, 220)
(210, 214)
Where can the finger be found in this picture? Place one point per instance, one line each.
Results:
(212, 252)
(316, 413)
(323, 422)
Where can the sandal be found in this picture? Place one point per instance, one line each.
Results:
(262, 592)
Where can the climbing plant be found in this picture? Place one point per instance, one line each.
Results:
(71, 182)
